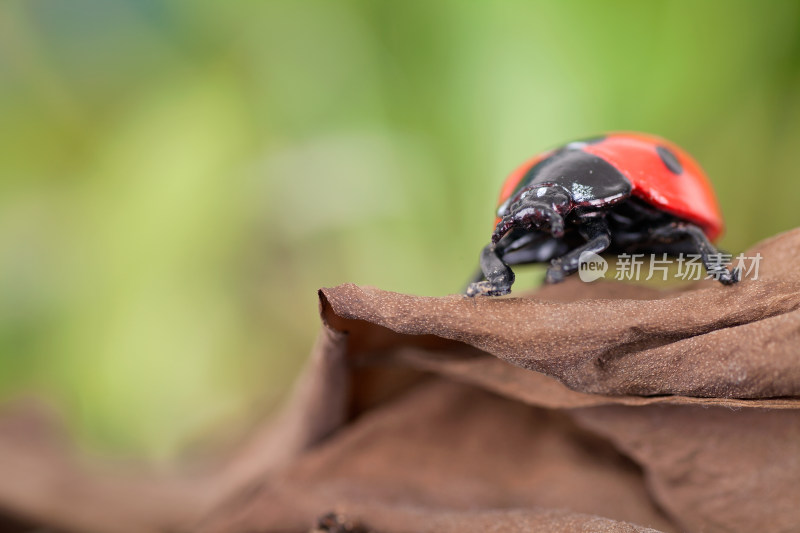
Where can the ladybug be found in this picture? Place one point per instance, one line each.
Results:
(619, 192)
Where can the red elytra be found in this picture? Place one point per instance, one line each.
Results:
(687, 195)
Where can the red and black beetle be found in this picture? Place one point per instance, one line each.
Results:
(620, 192)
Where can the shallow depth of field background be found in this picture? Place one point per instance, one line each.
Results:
(178, 178)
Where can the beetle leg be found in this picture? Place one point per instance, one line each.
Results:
(523, 247)
(598, 238)
(499, 276)
(710, 256)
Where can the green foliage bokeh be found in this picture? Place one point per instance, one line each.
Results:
(178, 178)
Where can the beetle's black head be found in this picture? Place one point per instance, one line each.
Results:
(549, 195)
(542, 206)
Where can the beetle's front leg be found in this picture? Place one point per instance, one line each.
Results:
(598, 237)
(499, 276)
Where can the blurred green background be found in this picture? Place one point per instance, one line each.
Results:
(178, 178)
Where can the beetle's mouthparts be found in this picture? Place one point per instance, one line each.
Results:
(530, 213)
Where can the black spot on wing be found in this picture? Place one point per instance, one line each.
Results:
(669, 158)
